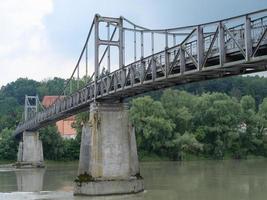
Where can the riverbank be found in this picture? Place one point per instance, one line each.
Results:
(145, 157)
(149, 158)
(6, 162)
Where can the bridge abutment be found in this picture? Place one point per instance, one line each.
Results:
(30, 152)
(108, 156)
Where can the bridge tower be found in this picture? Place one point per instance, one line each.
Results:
(30, 153)
(109, 42)
(108, 161)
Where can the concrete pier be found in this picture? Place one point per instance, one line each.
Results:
(108, 156)
(30, 153)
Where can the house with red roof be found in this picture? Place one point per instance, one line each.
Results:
(64, 126)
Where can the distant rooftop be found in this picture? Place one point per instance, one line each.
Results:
(49, 100)
(64, 126)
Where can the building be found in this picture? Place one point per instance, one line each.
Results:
(64, 126)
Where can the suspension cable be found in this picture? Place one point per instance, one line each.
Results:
(187, 27)
(80, 57)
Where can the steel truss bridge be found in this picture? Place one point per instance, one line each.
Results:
(157, 58)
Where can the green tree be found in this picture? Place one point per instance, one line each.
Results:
(53, 146)
(51, 87)
(153, 129)
(20, 88)
(8, 145)
(10, 112)
(184, 145)
(216, 117)
(178, 106)
(71, 149)
(262, 127)
(247, 134)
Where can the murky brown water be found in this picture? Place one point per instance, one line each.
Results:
(193, 180)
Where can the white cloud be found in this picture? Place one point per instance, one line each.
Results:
(25, 50)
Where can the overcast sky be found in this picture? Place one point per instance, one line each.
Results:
(40, 39)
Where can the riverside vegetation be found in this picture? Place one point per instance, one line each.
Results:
(225, 118)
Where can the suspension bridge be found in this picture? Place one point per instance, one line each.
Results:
(130, 59)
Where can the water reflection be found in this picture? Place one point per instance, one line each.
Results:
(30, 180)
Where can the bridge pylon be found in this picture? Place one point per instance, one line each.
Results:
(108, 156)
(109, 41)
(30, 152)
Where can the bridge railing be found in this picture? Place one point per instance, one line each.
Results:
(234, 39)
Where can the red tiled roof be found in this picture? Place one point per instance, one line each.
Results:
(49, 100)
(64, 126)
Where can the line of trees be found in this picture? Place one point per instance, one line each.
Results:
(192, 120)
(212, 125)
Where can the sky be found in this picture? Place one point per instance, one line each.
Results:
(42, 39)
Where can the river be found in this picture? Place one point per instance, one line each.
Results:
(191, 180)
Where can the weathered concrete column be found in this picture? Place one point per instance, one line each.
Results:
(30, 153)
(108, 156)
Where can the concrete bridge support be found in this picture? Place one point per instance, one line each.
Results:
(30, 153)
(108, 157)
